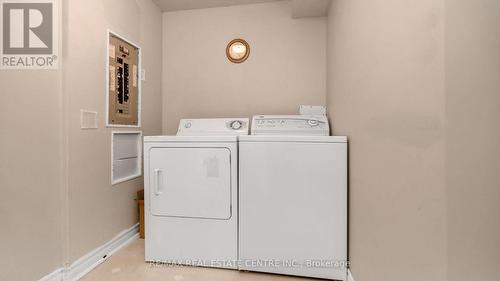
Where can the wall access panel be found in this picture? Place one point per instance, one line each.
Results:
(126, 156)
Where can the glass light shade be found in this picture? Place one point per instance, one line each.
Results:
(237, 50)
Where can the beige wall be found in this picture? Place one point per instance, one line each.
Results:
(57, 203)
(386, 92)
(286, 68)
(97, 210)
(30, 162)
(473, 138)
(31, 175)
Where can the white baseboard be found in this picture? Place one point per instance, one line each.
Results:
(56, 275)
(91, 260)
(349, 275)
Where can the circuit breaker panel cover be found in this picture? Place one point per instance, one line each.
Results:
(123, 100)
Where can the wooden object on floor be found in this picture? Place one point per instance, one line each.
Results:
(140, 203)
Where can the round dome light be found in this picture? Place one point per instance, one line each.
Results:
(238, 50)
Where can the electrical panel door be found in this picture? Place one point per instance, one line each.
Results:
(123, 97)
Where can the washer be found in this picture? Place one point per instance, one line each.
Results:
(293, 198)
(190, 183)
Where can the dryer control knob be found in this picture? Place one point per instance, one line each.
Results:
(187, 125)
(313, 123)
(236, 125)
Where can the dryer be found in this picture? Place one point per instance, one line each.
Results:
(190, 183)
(293, 198)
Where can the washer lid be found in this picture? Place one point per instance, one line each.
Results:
(283, 138)
(295, 125)
(216, 126)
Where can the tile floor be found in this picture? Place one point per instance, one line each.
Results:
(128, 265)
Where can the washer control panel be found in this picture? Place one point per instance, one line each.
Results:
(216, 126)
(315, 125)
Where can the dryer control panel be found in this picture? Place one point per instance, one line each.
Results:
(215, 126)
(313, 125)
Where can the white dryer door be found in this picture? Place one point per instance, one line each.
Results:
(190, 182)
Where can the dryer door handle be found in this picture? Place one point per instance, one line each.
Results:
(157, 181)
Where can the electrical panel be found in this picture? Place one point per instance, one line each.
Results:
(123, 83)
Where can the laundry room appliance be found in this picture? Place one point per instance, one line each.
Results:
(293, 198)
(305, 125)
(190, 184)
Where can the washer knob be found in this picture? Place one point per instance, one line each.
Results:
(187, 125)
(236, 125)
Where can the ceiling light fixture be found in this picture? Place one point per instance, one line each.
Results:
(238, 50)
